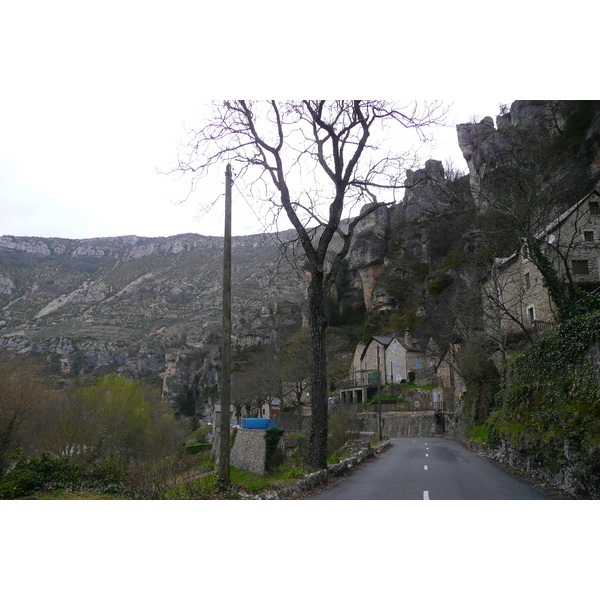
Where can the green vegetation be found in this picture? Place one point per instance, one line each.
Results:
(409, 385)
(387, 399)
(93, 439)
(438, 286)
(29, 477)
(342, 427)
(549, 401)
(273, 455)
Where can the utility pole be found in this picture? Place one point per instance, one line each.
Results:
(224, 450)
(379, 397)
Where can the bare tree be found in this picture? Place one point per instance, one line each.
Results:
(296, 369)
(312, 161)
(503, 294)
(25, 404)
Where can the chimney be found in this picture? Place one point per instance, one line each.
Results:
(407, 337)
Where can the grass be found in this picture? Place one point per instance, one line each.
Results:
(202, 487)
(257, 483)
(253, 483)
(336, 458)
(413, 386)
(68, 495)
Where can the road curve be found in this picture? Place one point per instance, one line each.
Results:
(433, 469)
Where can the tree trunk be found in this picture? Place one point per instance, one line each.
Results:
(318, 324)
(299, 401)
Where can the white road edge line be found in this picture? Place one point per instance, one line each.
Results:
(426, 467)
(425, 495)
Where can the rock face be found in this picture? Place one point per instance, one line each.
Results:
(400, 245)
(145, 307)
(398, 242)
(369, 250)
(565, 134)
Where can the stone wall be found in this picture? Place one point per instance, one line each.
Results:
(414, 424)
(249, 451)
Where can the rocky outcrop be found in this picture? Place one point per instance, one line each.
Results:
(426, 195)
(369, 250)
(562, 135)
(397, 243)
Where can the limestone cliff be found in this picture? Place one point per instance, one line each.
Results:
(411, 258)
(562, 136)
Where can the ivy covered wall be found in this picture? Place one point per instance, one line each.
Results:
(545, 417)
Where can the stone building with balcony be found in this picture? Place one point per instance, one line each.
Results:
(515, 301)
(384, 360)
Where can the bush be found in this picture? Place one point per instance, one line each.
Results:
(29, 476)
(386, 400)
(196, 448)
(273, 455)
(342, 427)
(438, 286)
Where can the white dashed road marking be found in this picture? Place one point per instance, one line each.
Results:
(425, 495)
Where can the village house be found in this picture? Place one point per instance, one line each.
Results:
(383, 360)
(451, 385)
(515, 300)
(270, 408)
(400, 358)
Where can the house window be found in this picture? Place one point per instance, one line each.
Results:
(394, 347)
(527, 281)
(417, 363)
(397, 363)
(531, 314)
(588, 236)
(594, 208)
(398, 377)
(580, 267)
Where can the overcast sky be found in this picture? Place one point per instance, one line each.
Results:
(95, 96)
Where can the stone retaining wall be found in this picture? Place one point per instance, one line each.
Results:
(405, 424)
(319, 478)
(249, 451)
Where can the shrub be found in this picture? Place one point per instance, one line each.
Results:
(342, 427)
(196, 448)
(438, 286)
(46, 472)
(273, 455)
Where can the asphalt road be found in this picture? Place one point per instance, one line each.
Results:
(432, 469)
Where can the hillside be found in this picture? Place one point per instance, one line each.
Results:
(121, 304)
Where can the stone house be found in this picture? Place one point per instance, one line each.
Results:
(450, 383)
(270, 408)
(515, 299)
(383, 360)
